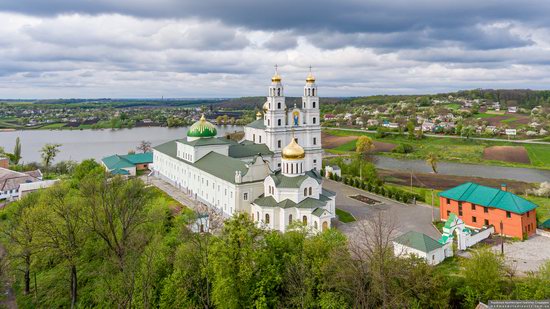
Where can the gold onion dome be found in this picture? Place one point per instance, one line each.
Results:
(259, 114)
(310, 78)
(202, 128)
(293, 151)
(265, 107)
(276, 78)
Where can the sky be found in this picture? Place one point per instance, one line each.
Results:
(221, 48)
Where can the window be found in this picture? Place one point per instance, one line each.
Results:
(473, 206)
(279, 105)
(448, 201)
(528, 214)
(267, 218)
(304, 220)
(279, 93)
(315, 224)
(314, 120)
(486, 222)
(314, 141)
(474, 219)
(289, 219)
(508, 214)
(245, 196)
(310, 191)
(460, 209)
(258, 215)
(448, 213)
(254, 138)
(485, 210)
(313, 92)
(279, 144)
(305, 191)
(279, 122)
(313, 104)
(459, 204)
(260, 139)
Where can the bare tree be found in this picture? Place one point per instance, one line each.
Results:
(144, 146)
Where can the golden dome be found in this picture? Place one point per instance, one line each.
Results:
(258, 113)
(310, 78)
(293, 151)
(265, 107)
(276, 78)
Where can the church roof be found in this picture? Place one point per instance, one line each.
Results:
(269, 201)
(418, 241)
(206, 141)
(215, 164)
(489, 197)
(257, 124)
(282, 181)
(244, 150)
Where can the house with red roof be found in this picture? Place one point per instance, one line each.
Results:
(480, 206)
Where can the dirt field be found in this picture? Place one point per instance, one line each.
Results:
(516, 154)
(331, 141)
(513, 120)
(444, 182)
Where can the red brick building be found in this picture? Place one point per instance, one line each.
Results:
(480, 206)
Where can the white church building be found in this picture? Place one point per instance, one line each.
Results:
(273, 174)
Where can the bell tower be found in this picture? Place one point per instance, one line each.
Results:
(274, 107)
(310, 101)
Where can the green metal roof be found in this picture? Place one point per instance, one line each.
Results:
(318, 212)
(418, 241)
(213, 163)
(257, 124)
(545, 224)
(244, 150)
(119, 171)
(269, 201)
(282, 181)
(126, 161)
(489, 197)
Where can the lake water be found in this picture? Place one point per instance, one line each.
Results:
(84, 144)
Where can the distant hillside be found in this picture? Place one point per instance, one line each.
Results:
(258, 102)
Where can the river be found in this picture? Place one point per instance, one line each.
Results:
(84, 144)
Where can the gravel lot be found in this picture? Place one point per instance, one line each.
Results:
(527, 255)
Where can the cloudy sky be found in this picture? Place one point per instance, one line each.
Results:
(221, 48)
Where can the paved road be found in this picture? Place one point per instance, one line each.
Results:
(407, 217)
(527, 141)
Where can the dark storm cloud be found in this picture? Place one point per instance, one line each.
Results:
(358, 21)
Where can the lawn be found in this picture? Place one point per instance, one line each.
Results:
(344, 216)
(449, 149)
(426, 193)
(453, 106)
(53, 126)
(543, 211)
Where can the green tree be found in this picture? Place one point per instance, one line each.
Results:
(410, 129)
(17, 151)
(432, 160)
(48, 153)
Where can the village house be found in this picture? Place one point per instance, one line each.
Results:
(10, 181)
(127, 164)
(422, 246)
(428, 126)
(480, 206)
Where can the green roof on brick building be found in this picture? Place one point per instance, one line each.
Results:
(127, 161)
(489, 197)
(418, 241)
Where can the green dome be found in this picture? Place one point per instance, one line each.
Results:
(202, 128)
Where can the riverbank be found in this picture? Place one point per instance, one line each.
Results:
(469, 151)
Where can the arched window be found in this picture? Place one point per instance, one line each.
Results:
(310, 190)
(279, 105)
(313, 92)
(278, 92)
(304, 220)
(313, 104)
(308, 91)
(279, 122)
(314, 120)
(305, 191)
(292, 168)
(325, 226)
(289, 218)
(266, 218)
(315, 224)
(268, 122)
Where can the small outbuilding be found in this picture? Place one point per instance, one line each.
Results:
(421, 245)
(129, 164)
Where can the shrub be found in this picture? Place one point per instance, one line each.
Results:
(403, 148)
(369, 187)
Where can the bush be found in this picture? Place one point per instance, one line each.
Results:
(403, 148)
(369, 187)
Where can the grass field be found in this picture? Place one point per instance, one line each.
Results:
(454, 106)
(449, 149)
(426, 193)
(53, 126)
(543, 211)
(344, 216)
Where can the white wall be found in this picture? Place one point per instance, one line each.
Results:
(433, 258)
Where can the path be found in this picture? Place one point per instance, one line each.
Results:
(407, 217)
(174, 192)
(526, 141)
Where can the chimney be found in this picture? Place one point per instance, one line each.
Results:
(503, 187)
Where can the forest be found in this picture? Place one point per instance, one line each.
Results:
(98, 241)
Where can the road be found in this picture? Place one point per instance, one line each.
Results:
(527, 141)
(406, 217)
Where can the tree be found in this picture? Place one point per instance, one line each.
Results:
(60, 230)
(48, 153)
(432, 160)
(16, 152)
(410, 129)
(364, 146)
(144, 146)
